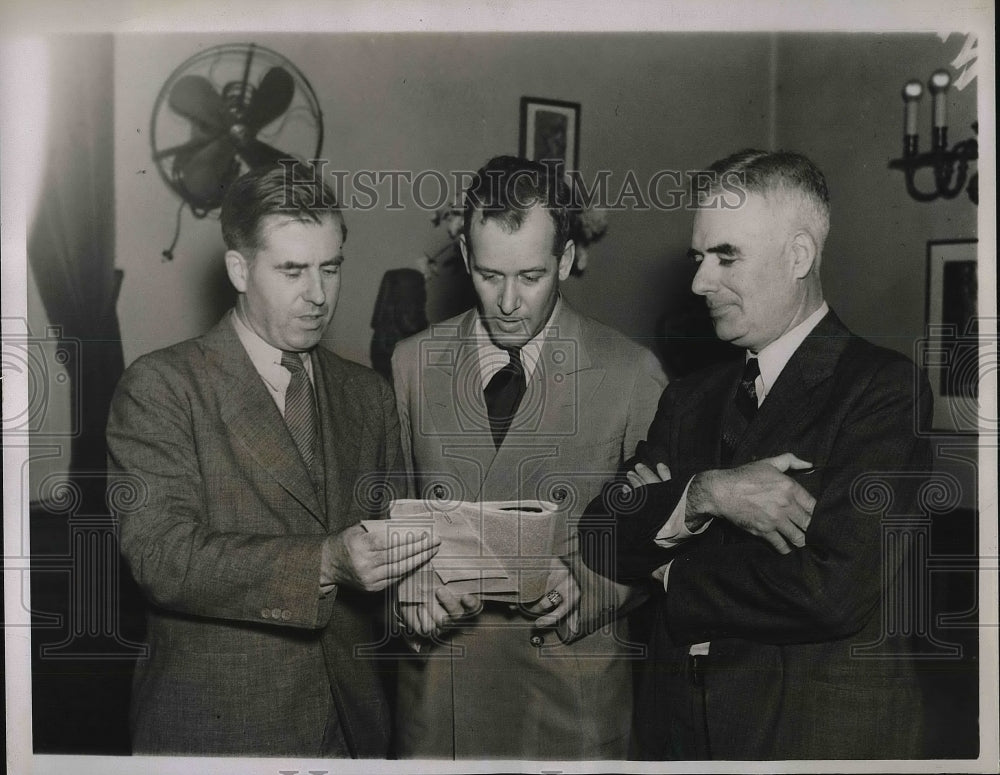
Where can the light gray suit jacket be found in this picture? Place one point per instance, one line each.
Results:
(246, 657)
(491, 692)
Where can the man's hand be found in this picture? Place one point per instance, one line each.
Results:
(366, 561)
(443, 611)
(642, 475)
(560, 580)
(758, 498)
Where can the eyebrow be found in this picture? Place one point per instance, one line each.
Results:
(533, 270)
(288, 265)
(722, 249)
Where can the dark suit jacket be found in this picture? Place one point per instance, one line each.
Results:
(783, 682)
(245, 655)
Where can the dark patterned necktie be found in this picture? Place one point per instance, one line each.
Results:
(736, 419)
(300, 407)
(503, 395)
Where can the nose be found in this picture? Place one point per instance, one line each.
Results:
(509, 299)
(704, 279)
(314, 292)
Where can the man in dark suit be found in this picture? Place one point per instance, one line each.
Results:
(252, 451)
(754, 504)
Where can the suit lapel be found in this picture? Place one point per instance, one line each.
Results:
(252, 417)
(699, 417)
(341, 430)
(562, 386)
(790, 402)
(450, 381)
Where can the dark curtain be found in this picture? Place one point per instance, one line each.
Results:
(71, 244)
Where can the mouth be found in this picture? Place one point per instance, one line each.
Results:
(314, 319)
(509, 325)
(717, 310)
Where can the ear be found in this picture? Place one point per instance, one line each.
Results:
(238, 269)
(566, 260)
(465, 252)
(804, 254)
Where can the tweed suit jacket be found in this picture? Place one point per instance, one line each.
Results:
(488, 691)
(245, 655)
(805, 661)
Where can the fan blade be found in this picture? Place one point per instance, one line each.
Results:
(207, 173)
(271, 99)
(258, 154)
(188, 148)
(194, 97)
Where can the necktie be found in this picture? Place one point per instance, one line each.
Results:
(300, 407)
(736, 419)
(503, 394)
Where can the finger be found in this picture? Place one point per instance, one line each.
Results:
(456, 607)
(409, 541)
(471, 603)
(793, 534)
(787, 460)
(396, 569)
(645, 474)
(410, 550)
(633, 480)
(427, 628)
(804, 499)
(663, 471)
(778, 542)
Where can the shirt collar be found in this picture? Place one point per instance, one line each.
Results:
(265, 357)
(493, 358)
(773, 358)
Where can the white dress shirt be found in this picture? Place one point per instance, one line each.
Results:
(266, 360)
(493, 358)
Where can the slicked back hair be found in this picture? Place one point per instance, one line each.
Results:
(294, 190)
(782, 173)
(508, 187)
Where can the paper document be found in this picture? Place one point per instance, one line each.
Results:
(500, 550)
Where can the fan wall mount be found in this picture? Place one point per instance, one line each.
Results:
(228, 109)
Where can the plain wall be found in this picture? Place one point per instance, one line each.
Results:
(839, 100)
(447, 102)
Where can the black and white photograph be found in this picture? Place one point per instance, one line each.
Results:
(431, 387)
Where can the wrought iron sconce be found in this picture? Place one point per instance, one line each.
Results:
(950, 166)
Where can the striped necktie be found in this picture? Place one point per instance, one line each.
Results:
(300, 407)
(739, 416)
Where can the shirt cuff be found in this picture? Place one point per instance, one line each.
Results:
(675, 530)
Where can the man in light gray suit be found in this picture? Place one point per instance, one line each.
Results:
(254, 450)
(523, 398)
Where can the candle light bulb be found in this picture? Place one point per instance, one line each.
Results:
(939, 83)
(912, 93)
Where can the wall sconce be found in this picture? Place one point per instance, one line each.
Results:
(950, 167)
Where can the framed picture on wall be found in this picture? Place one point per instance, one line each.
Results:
(951, 347)
(550, 131)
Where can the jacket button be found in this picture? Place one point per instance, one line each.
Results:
(559, 494)
(438, 491)
(537, 640)
(286, 615)
(265, 613)
(275, 613)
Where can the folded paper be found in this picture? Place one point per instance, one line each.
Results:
(500, 550)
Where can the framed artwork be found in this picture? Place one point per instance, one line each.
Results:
(550, 131)
(951, 354)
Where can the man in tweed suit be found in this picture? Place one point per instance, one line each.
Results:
(254, 448)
